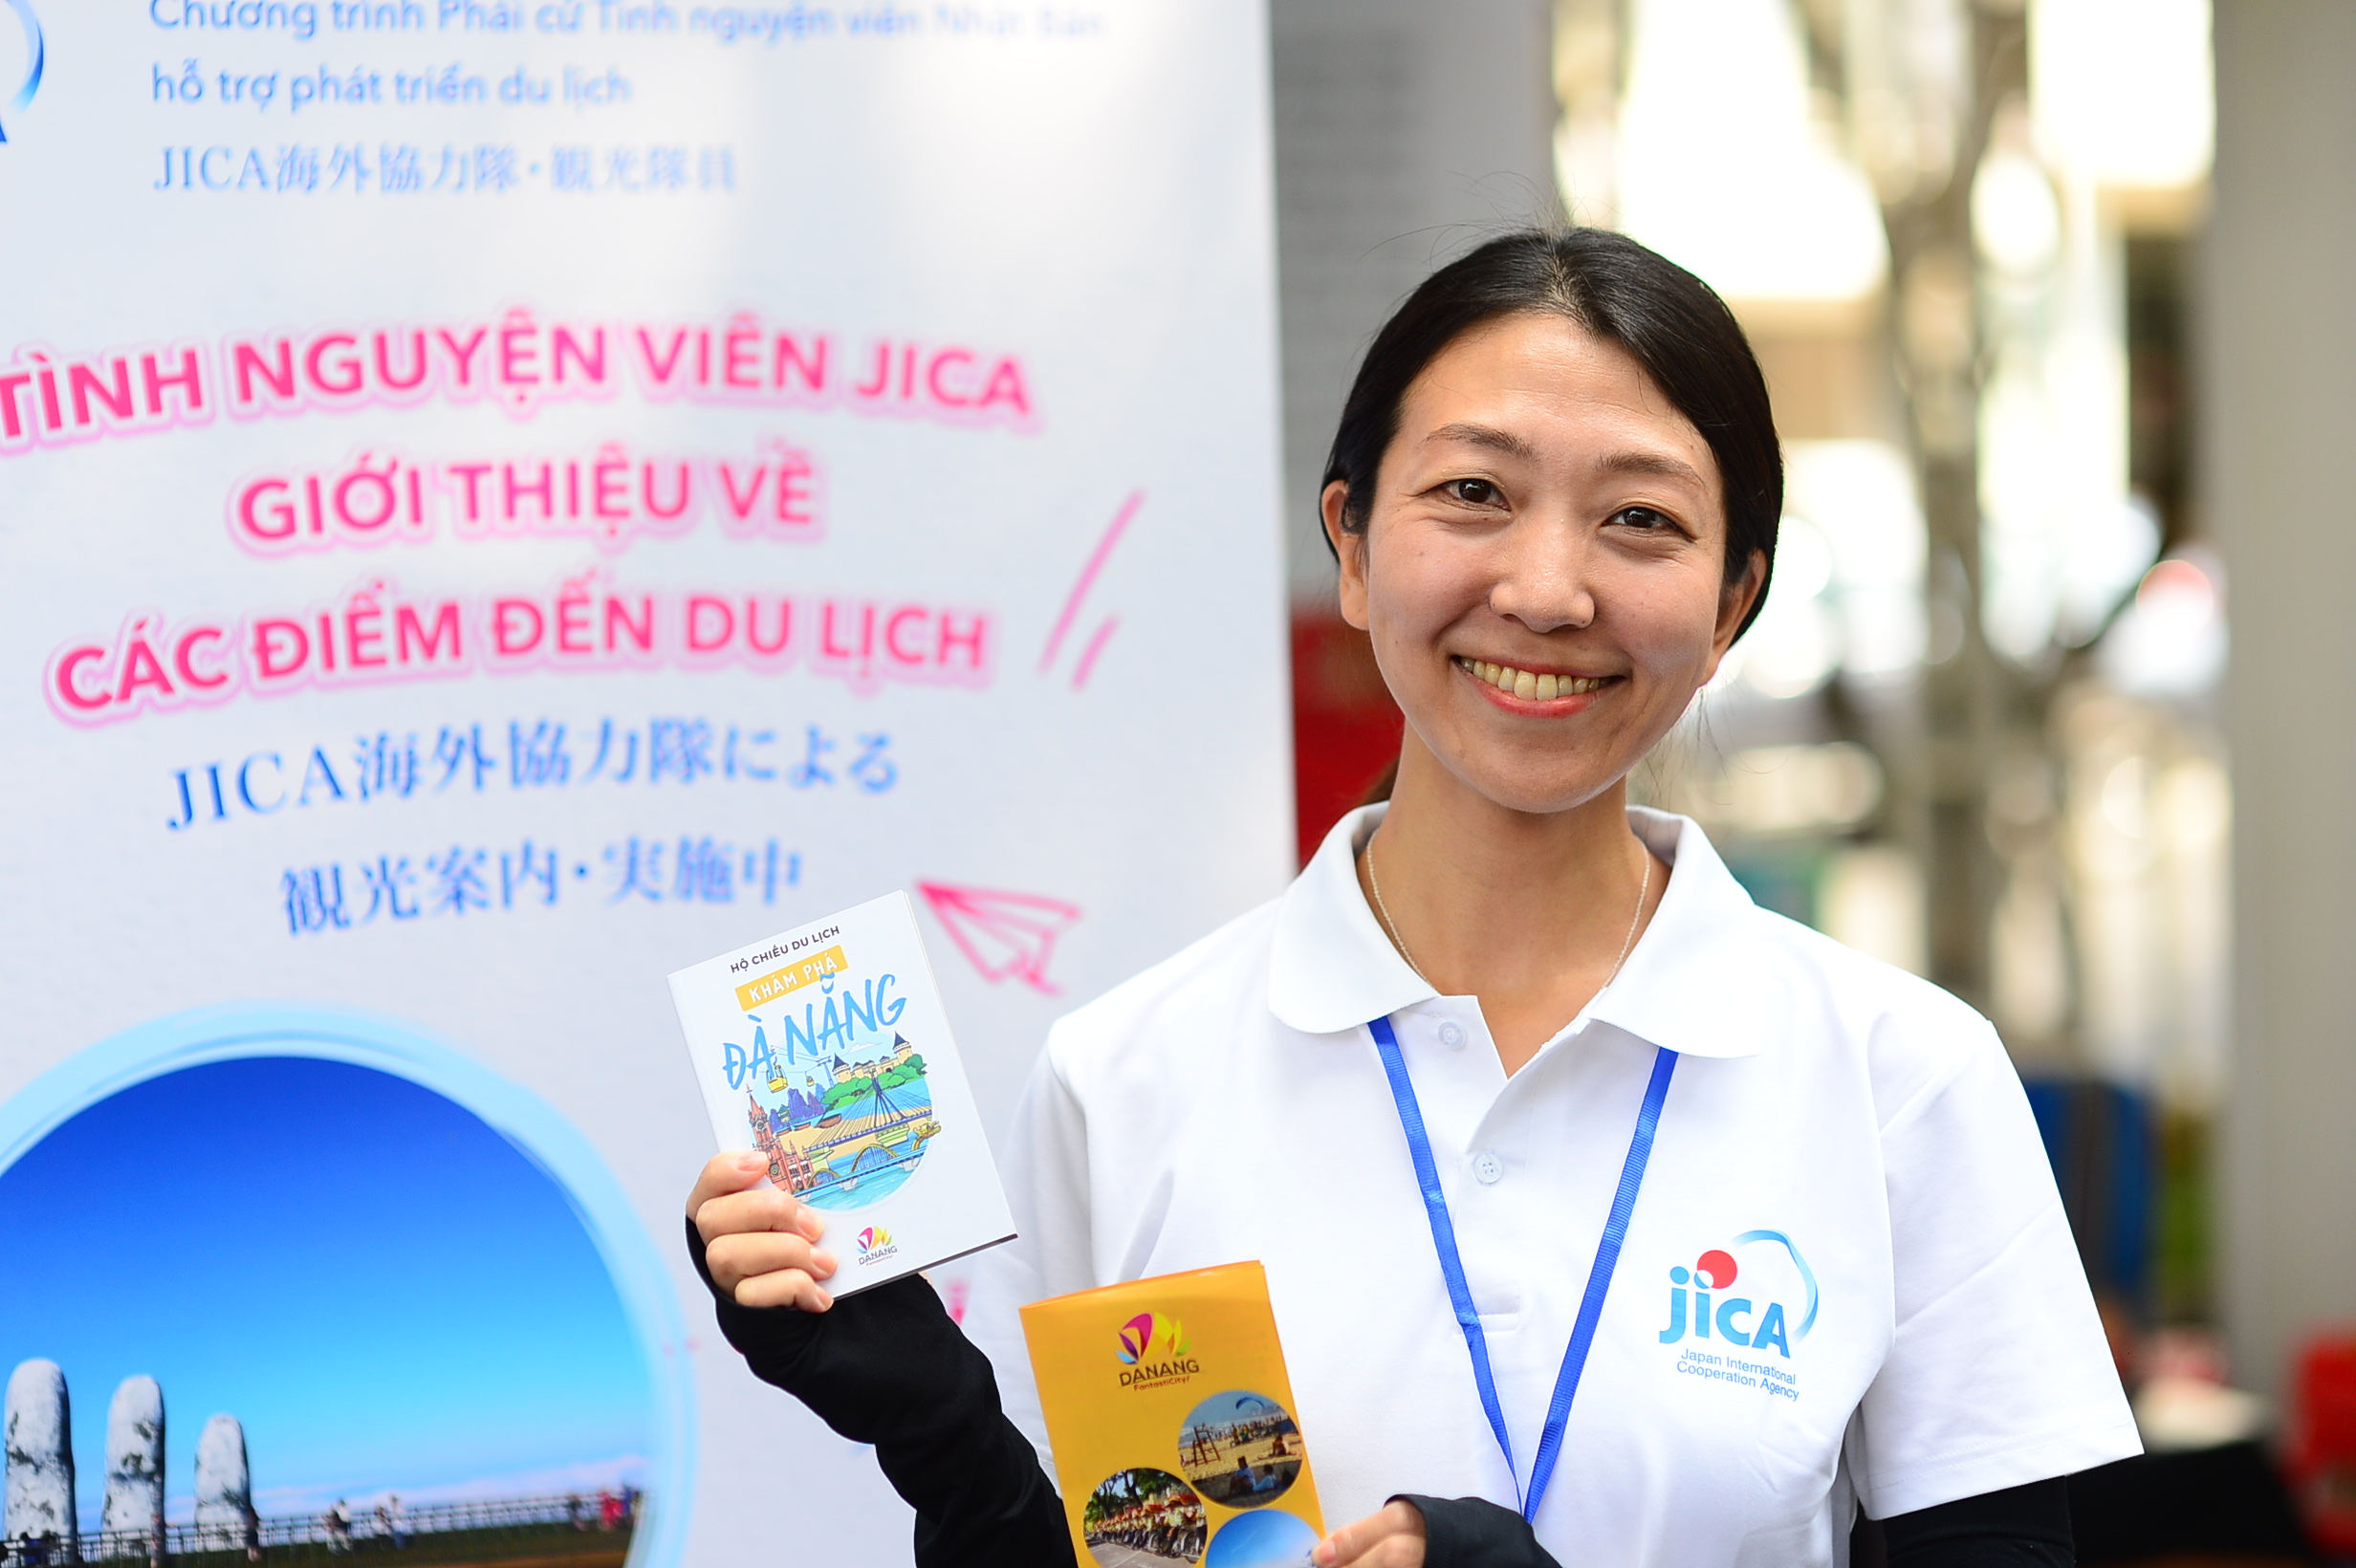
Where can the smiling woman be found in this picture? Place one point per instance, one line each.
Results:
(1567, 452)
(1679, 337)
(1592, 1156)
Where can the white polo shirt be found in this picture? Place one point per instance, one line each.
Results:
(1845, 1170)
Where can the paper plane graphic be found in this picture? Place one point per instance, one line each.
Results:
(1000, 933)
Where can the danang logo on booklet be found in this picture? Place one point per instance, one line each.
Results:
(825, 1048)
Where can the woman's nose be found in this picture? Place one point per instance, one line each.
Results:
(1543, 578)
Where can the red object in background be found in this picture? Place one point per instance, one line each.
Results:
(1346, 727)
(2322, 1445)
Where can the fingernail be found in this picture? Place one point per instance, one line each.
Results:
(824, 1260)
(825, 1299)
(749, 1162)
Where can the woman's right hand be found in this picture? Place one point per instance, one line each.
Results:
(759, 1243)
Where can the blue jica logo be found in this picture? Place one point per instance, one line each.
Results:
(1776, 1307)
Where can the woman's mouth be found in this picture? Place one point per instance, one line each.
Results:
(1528, 685)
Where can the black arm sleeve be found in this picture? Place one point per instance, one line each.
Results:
(2020, 1527)
(888, 1367)
(1475, 1532)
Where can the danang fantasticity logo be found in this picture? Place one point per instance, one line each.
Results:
(1701, 1302)
(1154, 1352)
(36, 60)
(1151, 1335)
(875, 1245)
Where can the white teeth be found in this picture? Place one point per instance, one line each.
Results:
(1529, 686)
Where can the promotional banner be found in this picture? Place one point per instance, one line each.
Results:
(502, 501)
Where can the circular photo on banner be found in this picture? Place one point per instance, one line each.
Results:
(396, 1332)
(1144, 1518)
(1240, 1449)
(1274, 1540)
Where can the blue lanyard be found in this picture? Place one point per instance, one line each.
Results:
(1451, 1264)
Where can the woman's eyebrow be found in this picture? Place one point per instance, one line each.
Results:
(1484, 435)
(1659, 465)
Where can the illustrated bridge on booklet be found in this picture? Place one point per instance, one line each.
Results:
(883, 1142)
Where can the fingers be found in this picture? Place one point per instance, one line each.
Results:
(765, 1268)
(723, 1174)
(764, 1209)
(759, 1243)
(1391, 1538)
(792, 1287)
(730, 1197)
(750, 1254)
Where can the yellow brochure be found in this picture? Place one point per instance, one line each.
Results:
(1171, 1419)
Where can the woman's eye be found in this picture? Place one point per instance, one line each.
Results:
(1644, 519)
(1473, 492)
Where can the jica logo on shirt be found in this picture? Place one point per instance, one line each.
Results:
(1768, 1314)
(875, 1245)
(1154, 1352)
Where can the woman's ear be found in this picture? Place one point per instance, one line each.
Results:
(1349, 553)
(1734, 602)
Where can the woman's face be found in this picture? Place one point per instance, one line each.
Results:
(1542, 569)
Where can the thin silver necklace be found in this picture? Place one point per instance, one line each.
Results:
(1399, 942)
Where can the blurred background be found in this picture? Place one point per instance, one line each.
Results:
(2051, 296)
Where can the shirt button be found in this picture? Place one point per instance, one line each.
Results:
(1488, 1167)
(1451, 1033)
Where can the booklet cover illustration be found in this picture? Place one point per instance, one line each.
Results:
(1170, 1414)
(825, 1048)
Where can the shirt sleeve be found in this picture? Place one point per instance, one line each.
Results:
(1045, 1168)
(1998, 1373)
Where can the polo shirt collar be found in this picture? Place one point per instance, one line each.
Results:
(1693, 983)
(1333, 967)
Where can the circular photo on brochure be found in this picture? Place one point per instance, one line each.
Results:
(1274, 1540)
(1144, 1518)
(1240, 1449)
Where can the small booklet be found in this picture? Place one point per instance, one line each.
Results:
(1173, 1423)
(825, 1049)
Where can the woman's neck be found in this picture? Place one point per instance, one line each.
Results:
(1529, 913)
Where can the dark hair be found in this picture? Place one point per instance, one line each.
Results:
(1668, 320)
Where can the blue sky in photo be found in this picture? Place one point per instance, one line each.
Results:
(1265, 1539)
(385, 1291)
(1233, 1405)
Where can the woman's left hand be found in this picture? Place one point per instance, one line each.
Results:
(1393, 1538)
